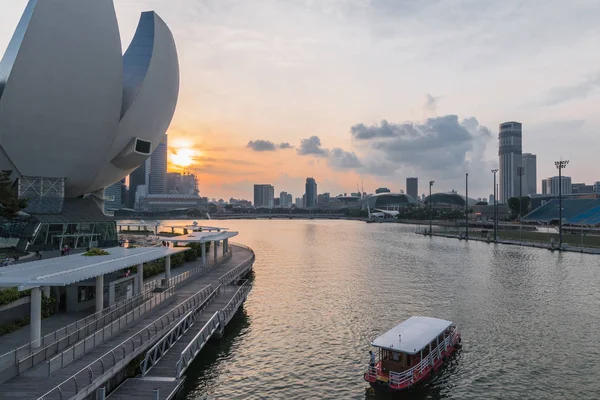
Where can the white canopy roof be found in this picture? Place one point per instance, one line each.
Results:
(197, 227)
(412, 335)
(200, 237)
(63, 271)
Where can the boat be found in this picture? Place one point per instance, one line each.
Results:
(411, 352)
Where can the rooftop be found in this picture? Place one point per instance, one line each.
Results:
(412, 335)
(200, 237)
(63, 271)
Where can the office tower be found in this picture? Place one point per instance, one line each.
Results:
(285, 199)
(137, 178)
(173, 182)
(412, 187)
(264, 196)
(311, 192)
(491, 199)
(529, 162)
(298, 202)
(158, 169)
(582, 188)
(509, 153)
(289, 200)
(113, 196)
(550, 185)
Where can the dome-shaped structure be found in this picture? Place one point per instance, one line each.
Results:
(451, 199)
(388, 200)
(72, 108)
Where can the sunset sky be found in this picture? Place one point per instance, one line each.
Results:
(373, 90)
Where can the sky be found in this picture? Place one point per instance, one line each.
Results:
(370, 92)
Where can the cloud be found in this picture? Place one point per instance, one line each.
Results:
(285, 145)
(312, 146)
(382, 130)
(342, 159)
(431, 102)
(563, 94)
(261, 145)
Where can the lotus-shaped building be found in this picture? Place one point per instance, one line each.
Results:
(76, 115)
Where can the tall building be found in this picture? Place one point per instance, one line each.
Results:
(582, 188)
(264, 196)
(412, 187)
(137, 178)
(113, 196)
(311, 192)
(158, 169)
(529, 163)
(597, 187)
(491, 199)
(285, 199)
(173, 182)
(550, 185)
(298, 202)
(323, 199)
(509, 153)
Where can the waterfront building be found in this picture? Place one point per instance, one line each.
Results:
(597, 187)
(158, 169)
(491, 199)
(298, 202)
(382, 190)
(509, 153)
(412, 187)
(529, 179)
(285, 199)
(582, 188)
(264, 195)
(113, 196)
(550, 185)
(450, 200)
(310, 192)
(387, 202)
(168, 202)
(323, 199)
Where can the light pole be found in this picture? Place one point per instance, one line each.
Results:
(560, 165)
(430, 208)
(467, 206)
(520, 172)
(495, 202)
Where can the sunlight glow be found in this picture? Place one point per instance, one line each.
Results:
(182, 157)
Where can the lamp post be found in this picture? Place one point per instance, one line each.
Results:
(430, 209)
(467, 206)
(495, 202)
(560, 165)
(520, 172)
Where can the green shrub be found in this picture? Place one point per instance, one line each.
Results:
(96, 252)
(14, 325)
(9, 295)
(190, 255)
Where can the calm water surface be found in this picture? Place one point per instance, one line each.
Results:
(530, 319)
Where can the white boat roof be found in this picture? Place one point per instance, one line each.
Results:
(412, 335)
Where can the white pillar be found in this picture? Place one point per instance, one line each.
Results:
(226, 245)
(203, 253)
(215, 249)
(140, 274)
(35, 317)
(47, 291)
(168, 267)
(99, 293)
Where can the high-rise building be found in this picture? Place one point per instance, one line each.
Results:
(173, 182)
(137, 178)
(412, 187)
(509, 153)
(264, 196)
(597, 187)
(529, 164)
(158, 169)
(285, 199)
(311, 192)
(582, 188)
(298, 202)
(323, 198)
(550, 185)
(491, 199)
(113, 196)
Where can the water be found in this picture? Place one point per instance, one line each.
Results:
(530, 318)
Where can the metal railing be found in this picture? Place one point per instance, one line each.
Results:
(26, 357)
(83, 383)
(238, 298)
(197, 343)
(82, 347)
(180, 279)
(232, 275)
(159, 349)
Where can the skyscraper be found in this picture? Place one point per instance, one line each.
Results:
(311, 192)
(412, 187)
(264, 196)
(550, 185)
(158, 169)
(509, 153)
(529, 161)
(137, 178)
(113, 196)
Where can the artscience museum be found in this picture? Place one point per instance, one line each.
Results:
(77, 115)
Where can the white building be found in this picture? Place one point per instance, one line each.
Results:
(529, 163)
(550, 185)
(509, 153)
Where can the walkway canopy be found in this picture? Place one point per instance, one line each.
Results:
(63, 271)
(200, 237)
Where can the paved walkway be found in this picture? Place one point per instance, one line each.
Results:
(21, 386)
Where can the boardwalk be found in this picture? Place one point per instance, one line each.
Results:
(22, 387)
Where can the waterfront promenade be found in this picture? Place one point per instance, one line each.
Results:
(21, 386)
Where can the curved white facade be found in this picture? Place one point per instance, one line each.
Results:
(71, 106)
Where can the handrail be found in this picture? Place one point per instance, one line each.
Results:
(170, 338)
(81, 384)
(191, 350)
(230, 276)
(235, 302)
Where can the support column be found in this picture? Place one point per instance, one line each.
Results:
(46, 291)
(35, 317)
(224, 246)
(168, 267)
(215, 248)
(99, 293)
(140, 274)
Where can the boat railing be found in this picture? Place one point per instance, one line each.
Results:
(409, 376)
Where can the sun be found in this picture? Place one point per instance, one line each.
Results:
(182, 157)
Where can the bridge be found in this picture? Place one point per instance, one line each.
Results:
(171, 319)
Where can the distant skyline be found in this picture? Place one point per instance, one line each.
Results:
(373, 90)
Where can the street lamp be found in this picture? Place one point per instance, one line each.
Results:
(495, 203)
(560, 165)
(430, 209)
(520, 172)
(467, 206)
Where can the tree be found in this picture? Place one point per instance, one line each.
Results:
(519, 204)
(10, 202)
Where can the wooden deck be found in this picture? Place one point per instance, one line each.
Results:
(35, 382)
